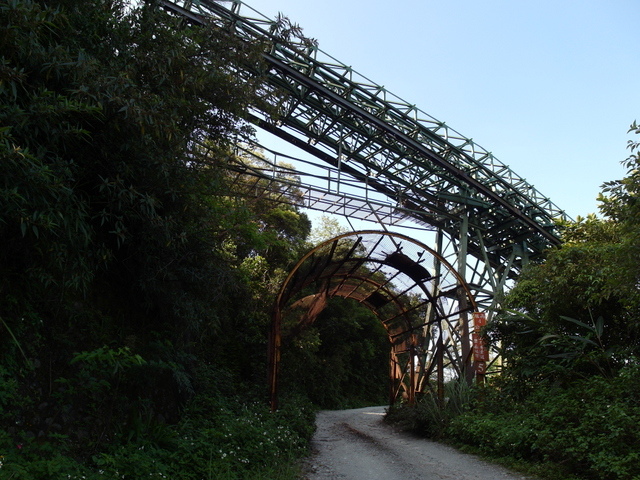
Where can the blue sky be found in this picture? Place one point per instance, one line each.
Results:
(549, 87)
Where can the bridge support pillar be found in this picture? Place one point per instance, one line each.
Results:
(463, 242)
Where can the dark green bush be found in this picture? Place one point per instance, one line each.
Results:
(241, 440)
(588, 428)
(218, 439)
(431, 417)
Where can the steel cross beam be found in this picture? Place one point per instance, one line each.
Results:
(361, 129)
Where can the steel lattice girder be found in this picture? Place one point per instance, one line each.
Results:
(345, 119)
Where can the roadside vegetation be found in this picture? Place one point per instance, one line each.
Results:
(134, 279)
(564, 404)
(136, 274)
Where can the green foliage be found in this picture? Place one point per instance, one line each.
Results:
(216, 439)
(326, 228)
(35, 461)
(588, 429)
(342, 360)
(100, 186)
(574, 279)
(110, 360)
(558, 352)
(430, 416)
(242, 439)
(576, 313)
(619, 202)
(127, 265)
(280, 230)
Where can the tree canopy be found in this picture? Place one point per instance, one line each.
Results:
(137, 273)
(577, 313)
(133, 278)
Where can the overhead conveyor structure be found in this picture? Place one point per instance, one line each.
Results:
(372, 155)
(493, 220)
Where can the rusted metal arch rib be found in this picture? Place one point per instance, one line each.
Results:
(334, 265)
(365, 297)
(389, 298)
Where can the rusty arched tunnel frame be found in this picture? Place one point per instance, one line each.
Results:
(408, 332)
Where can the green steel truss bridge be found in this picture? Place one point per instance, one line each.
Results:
(371, 155)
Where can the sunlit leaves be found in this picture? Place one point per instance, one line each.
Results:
(582, 302)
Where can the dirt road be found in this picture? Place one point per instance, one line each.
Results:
(357, 445)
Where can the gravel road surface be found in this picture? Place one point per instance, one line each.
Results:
(358, 445)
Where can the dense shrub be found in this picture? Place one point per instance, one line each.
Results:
(567, 397)
(589, 428)
(123, 263)
(431, 417)
(217, 439)
(341, 361)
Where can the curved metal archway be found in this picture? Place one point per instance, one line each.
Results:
(418, 296)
